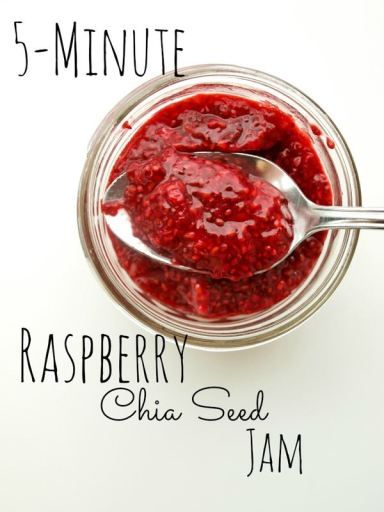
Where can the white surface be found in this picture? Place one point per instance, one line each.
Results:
(325, 380)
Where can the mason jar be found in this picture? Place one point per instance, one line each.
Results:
(111, 137)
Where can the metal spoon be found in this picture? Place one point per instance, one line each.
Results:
(307, 216)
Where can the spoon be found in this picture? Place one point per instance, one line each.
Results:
(307, 216)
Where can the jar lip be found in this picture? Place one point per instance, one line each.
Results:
(84, 206)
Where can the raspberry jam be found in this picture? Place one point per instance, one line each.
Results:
(212, 215)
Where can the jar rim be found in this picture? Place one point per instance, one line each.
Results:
(218, 341)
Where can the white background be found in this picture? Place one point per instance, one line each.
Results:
(325, 380)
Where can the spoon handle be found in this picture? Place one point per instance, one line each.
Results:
(333, 217)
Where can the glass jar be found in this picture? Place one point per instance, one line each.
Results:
(109, 140)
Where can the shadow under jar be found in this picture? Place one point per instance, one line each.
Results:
(121, 126)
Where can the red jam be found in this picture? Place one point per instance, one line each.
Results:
(212, 215)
